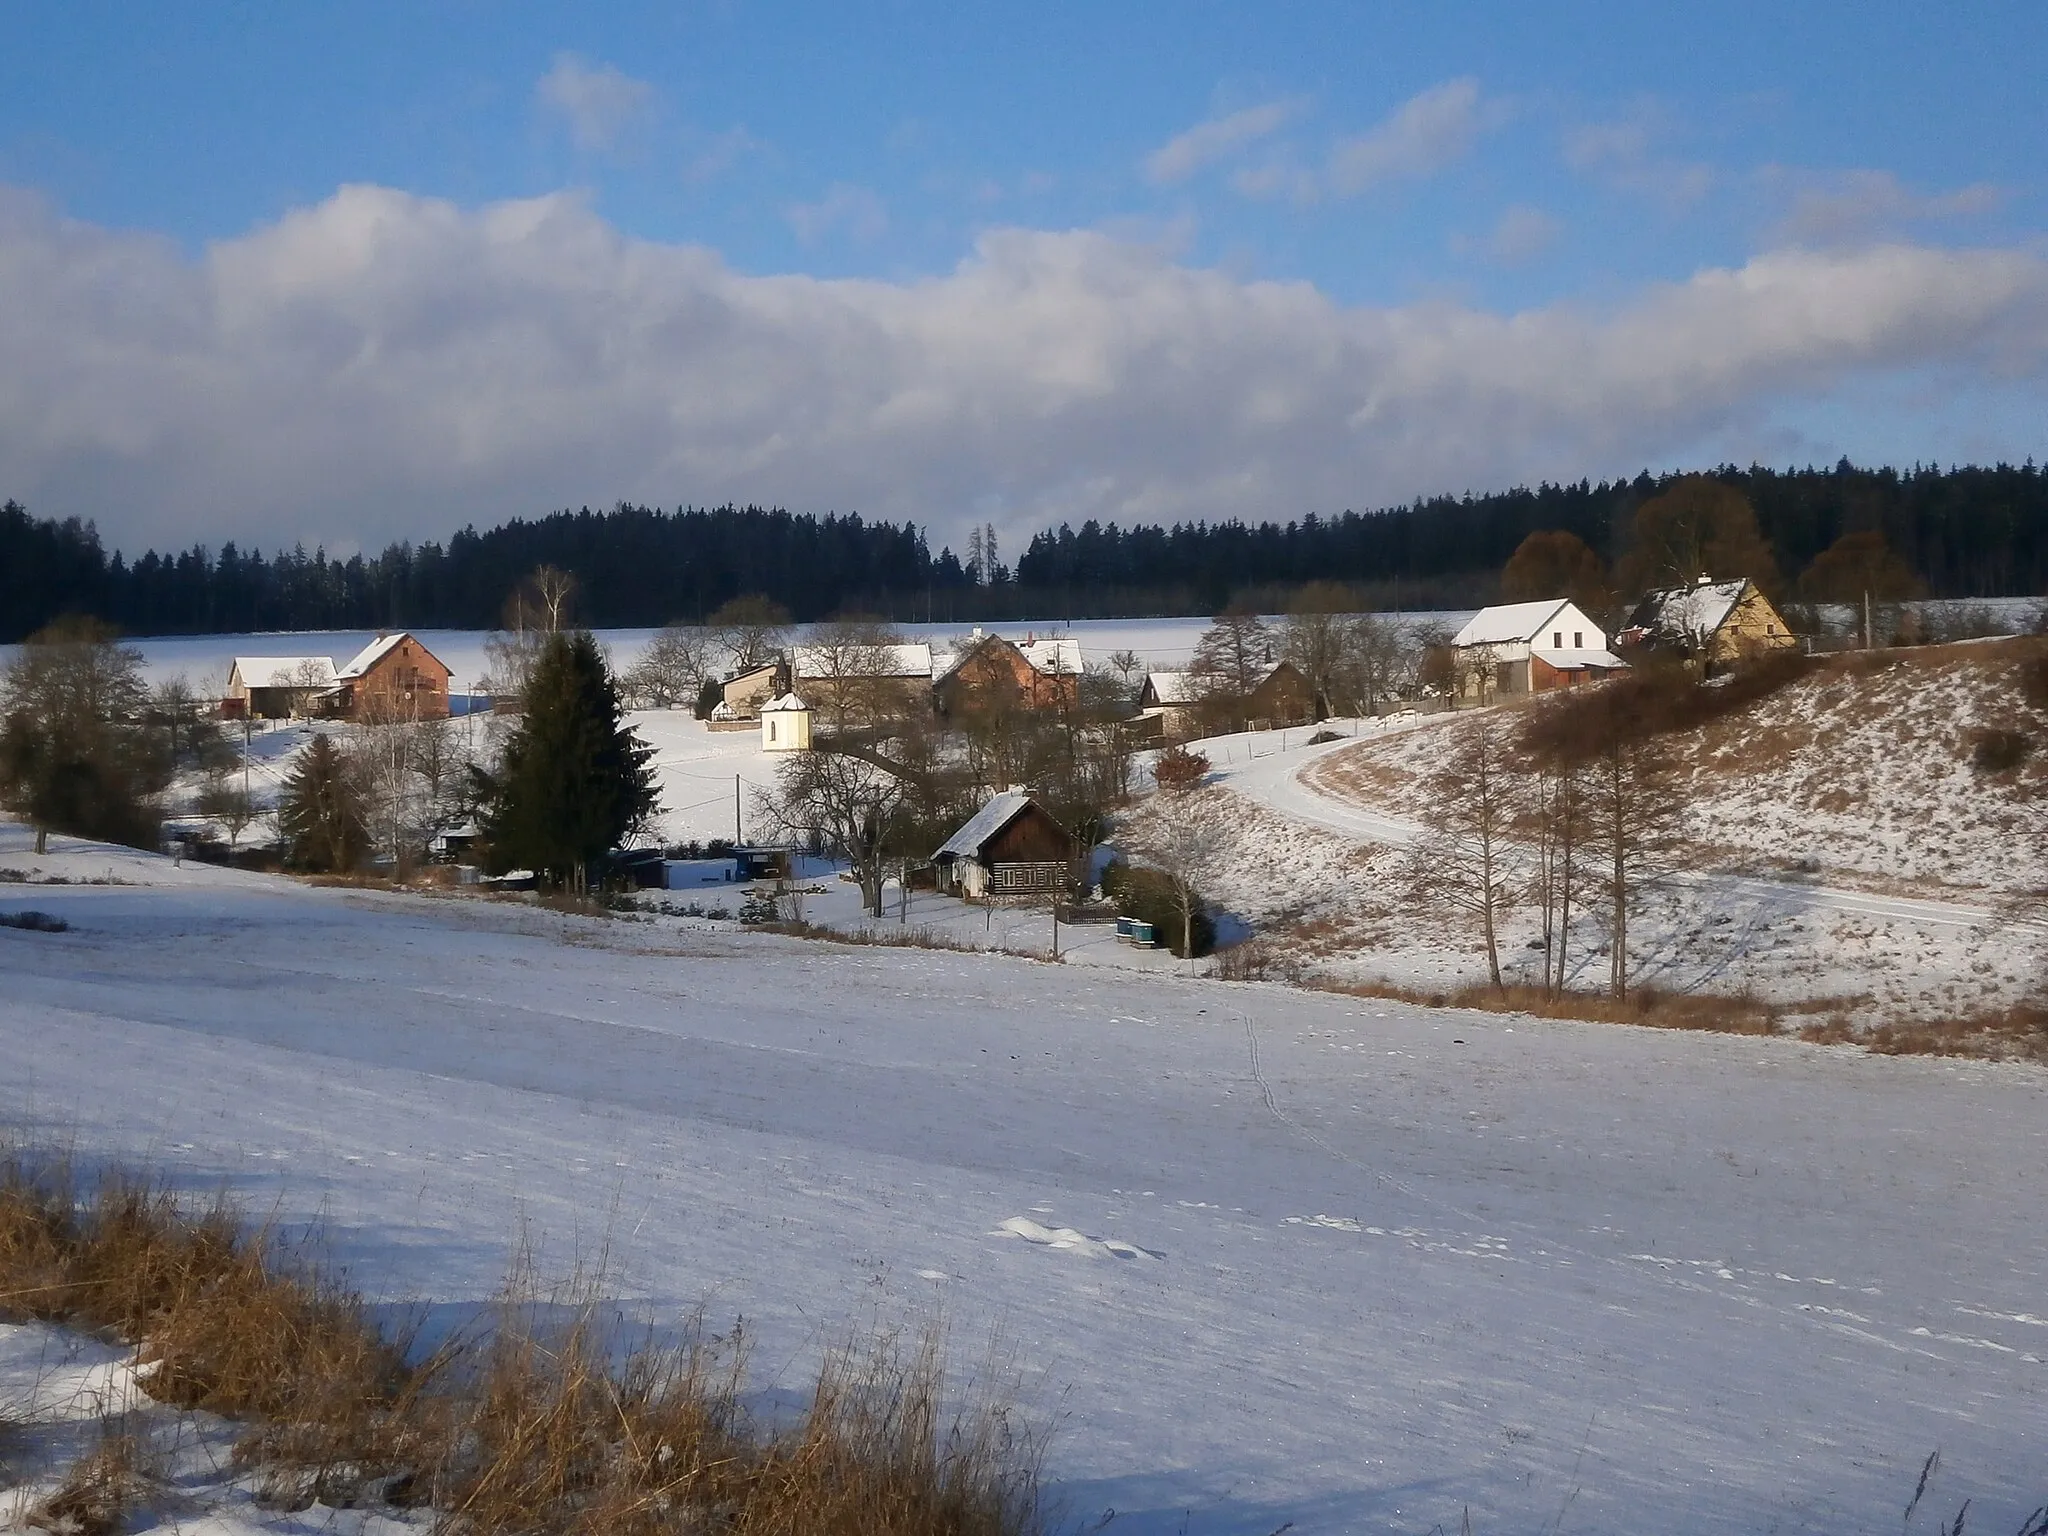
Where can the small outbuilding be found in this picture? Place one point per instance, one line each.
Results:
(742, 695)
(786, 725)
(1013, 846)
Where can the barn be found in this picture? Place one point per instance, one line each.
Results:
(1013, 846)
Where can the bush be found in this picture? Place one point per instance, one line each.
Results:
(1150, 897)
(33, 922)
(1179, 769)
(1999, 751)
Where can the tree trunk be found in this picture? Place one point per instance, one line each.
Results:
(42, 840)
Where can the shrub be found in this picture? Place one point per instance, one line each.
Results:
(1179, 769)
(1999, 751)
(1150, 897)
(34, 922)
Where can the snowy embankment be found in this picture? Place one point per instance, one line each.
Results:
(1317, 856)
(1273, 1256)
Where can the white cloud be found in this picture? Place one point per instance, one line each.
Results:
(1425, 133)
(1205, 143)
(600, 104)
(718, 153)
(1858, 205)
(1520, 235)
(853, 211)
(1623, 154)
(382, 365)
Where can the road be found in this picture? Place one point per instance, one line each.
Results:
(1260, 767)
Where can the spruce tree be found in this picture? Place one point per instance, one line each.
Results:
(574, 781)
(320, 814)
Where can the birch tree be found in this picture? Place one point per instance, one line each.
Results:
(1464, 862)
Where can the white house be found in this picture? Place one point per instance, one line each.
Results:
(786, 725)
(1531, 648)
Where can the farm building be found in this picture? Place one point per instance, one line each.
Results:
(742, 695)
(276, 687)
(1714, 624)
(852, 684)
(1172, 699)
(394, 677)
(1012, 846)
(1530, 648)
(990, 672)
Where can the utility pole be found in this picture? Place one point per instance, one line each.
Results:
(737, 839)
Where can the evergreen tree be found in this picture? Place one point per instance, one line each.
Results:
(574, 781)
(320, 814)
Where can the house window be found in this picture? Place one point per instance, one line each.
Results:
(1578, 639)
(771, 730)
(1557, 640)
(1770, 629)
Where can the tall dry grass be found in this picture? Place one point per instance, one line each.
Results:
(546, 1421)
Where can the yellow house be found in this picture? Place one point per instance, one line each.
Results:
(1714, 623)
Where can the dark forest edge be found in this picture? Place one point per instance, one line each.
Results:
(1974, 531)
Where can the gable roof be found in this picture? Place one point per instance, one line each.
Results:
(1056, 655)
(281, 671)
(911, 660)
(1173, 687)
(746, 672)
(787, 704)
(377, 650)
(1678, 613)
(985, 824)
(1509, 623)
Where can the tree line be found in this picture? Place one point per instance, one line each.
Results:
(1975, 531)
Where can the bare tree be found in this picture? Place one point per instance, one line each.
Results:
(1316, 638)
(1230, 660)
(1182, 834)
(1379, 661)
(848, 804)
(1464, 861)
(221, 799)
(752, 630)
(1632, 794)
(671, 673)
(850, 668)
(1556, 812)
(1126, 664)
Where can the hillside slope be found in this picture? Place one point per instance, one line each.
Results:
(1861, 771)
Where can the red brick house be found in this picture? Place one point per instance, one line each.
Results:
(992, 673)
(394, 677)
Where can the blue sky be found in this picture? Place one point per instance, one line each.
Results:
(1126, 207)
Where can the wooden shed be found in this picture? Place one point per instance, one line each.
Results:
(1013, 846)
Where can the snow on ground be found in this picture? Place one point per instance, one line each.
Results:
(1860, 771)
(1272, 1256)
(1316, 863)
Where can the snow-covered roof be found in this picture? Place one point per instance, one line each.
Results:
(285, 671)
(1681, 612)
(371, 654)
(1059, 656)
(722, 711)
(817, 661)
(1571, 658)
(1173, 687)
(984, 824)
(1509, 623)
(784, 705)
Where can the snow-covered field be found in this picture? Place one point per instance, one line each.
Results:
(1355, 1266)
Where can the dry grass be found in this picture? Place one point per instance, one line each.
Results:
(99, 1492)
(546, 1422)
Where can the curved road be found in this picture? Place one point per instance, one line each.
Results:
(1258, 766)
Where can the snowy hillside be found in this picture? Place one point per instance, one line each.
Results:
(1269, 1256)
(1862, 771)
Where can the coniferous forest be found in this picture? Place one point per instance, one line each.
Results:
(1968, 532)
